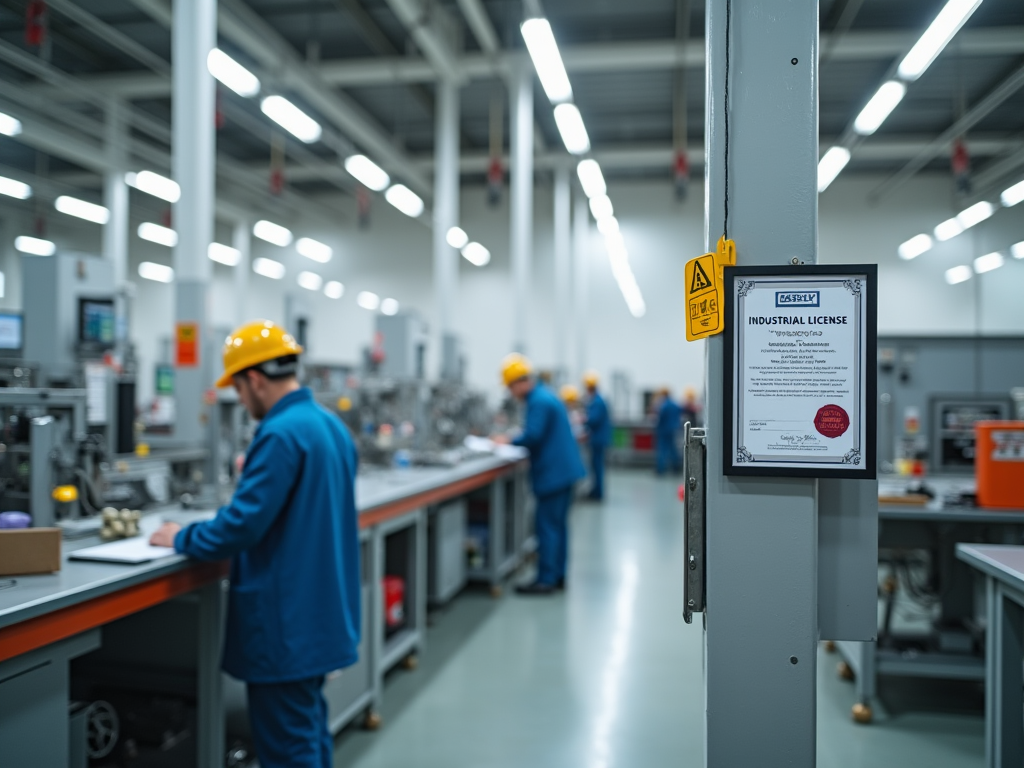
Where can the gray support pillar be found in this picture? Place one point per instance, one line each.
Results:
(581, 280)
(761, 621)
(522, 201)
(446, 216)
(115, 231)
(241, 241)
(194, 34)
(563, 269)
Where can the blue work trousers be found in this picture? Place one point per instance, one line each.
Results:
(289, 724)
(666, 454)
(553, 536)
(597, 453)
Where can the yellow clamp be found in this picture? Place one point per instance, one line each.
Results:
(705, 277)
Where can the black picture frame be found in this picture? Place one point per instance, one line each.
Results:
(869, 370)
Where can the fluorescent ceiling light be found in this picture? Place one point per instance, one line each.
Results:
(958, 274)
(334, 289)
(272, 233)
(591, 178)
(976, 214)
(948, 229)
(268, 268)
(540, 42)
(1013, 195)
(154, 233)
(618, 257)
(35, 246)
(939, 33)
(915, 246)
(570, 126)
(224, 254)
(159, 272)
(601, 207)
(988, 262)
(405, 200)
(311, 281)
(15, 188)
(607, 225)
(154, 184)
(1017, 250)
(367, 172)
(368, 300)
(232, 74)
(314, 249)
(882, 103)
(389, 306)
(291, 118)
(831, 163)
(457, 237)
(9, 126)
(476, 254)
(72, 206)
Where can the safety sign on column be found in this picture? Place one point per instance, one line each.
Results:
(704, 295)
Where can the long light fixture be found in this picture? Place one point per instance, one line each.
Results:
(476, 254)
(35, 246)
(571, 128)
(456, 237)
(1017, 250)
(334, 289)
(988, 262)
(878, 108)
(976, 214)
(9, 126)
(314, 249)
(936, 37)
(389, 307)
(618, 257)
(607, 225)
(367, 172)
(81, 209)
(311, 281)
(291, 118)
(1012, 195)
(154, 184)
(540, 42)
(161, 273)
(15, 188)
(948, 229)
(601, 207)
(405, 200)
(224, 254)
(831, 163)
(591, 178)
(368, 300)
(272, 233)
(155, 233)
(915, 246)
(268, 268)
(959, 274)
(232, 74)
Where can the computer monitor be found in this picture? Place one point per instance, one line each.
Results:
(96, 322)
(10, 330)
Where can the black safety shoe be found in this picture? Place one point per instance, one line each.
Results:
(536, 588)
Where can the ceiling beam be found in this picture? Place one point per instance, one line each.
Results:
(432, 29)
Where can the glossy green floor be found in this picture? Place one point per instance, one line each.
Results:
(608, 674)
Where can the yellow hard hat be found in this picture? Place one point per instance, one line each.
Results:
(65, 493)
(257, 342)
(569, 393)
(590, 379)
(515, 367)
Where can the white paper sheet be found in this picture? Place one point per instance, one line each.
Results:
(131, 551)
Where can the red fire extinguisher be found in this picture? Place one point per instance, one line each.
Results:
(36, 23)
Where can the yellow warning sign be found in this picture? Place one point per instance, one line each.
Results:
(704, 276)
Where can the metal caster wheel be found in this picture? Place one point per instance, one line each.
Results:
(411, 662)
(862, 714)
(845, 672)
(495, 591)
(373, 721)
(830, 647)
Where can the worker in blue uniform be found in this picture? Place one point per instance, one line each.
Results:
(599, 434)
(555, 466)
(666, 431)
(291, 531)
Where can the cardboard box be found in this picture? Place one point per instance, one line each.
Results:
(29, 550)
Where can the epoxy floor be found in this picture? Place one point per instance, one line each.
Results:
(608, 674)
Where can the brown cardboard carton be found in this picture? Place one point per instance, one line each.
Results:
(29, 550)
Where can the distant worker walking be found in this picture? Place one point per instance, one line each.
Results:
(666, 431)
(599, 434)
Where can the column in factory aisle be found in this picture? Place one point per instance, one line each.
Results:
(563, 270)
(241, 241)
(522, 200)
(446, 216)
(761, 533)
(193, 35)
(581, 277)
(115, 231)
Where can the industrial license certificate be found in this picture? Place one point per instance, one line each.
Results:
(800, 355)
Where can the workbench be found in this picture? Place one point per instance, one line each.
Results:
(158, 626)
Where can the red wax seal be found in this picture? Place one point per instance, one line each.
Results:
(831, 421)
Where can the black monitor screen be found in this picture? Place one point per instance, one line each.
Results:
(10, 331)
(96, 321)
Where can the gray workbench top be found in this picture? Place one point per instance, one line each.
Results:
(79, 580)
(950, 514)
(1002, 562)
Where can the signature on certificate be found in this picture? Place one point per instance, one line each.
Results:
(799, 439)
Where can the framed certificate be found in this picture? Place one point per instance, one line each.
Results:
(800, 370)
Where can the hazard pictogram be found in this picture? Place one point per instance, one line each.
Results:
(700, 281)
(704, 298)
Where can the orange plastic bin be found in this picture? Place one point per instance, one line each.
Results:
(999, 464)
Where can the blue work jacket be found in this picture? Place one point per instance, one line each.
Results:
(555, 462)
(292, 532)
(669, 418)
(599, 422)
